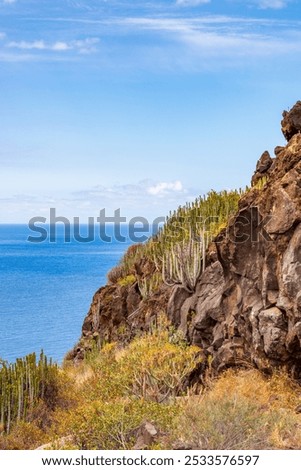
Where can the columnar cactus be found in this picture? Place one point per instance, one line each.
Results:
(21, 385)
(183, 241)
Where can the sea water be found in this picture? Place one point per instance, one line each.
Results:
(46, 288)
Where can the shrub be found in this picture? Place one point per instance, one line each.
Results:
(149, 285)
(112, 425)
(243, 410)
(23, 436)
(106, 380)
(127, 280)
(156, 369)
(179, 248)
(183, 264)
(115, 274)
(153, 367)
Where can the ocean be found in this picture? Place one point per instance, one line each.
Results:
(46, 288)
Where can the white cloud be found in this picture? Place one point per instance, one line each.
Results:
(145, 198)
(9, 2)
(139, 190)
(161, 189)
(60, 46)
(192, 3)
(196, 42)
(223, 37)
(84, 46)
(40, 45)
(274, 4)
(2, 36)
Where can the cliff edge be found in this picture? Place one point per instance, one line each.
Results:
(245, 307)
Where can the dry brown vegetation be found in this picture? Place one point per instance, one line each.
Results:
(242, 410)
(101, 403)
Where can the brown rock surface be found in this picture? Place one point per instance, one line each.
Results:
(146, 435)
(248, 303)
(291, 122)
(262, 167)
(117, 313)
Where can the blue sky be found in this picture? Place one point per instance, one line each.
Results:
(139, 105)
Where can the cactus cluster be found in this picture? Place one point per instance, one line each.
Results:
(149, 285)
(179, 248)
(21, 385)
(183, 263)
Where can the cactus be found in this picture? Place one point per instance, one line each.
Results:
(149, 285)
(178, 249)
(21, 385)
(183, 264)
(182, 243)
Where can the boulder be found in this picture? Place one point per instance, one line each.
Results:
(146, 435)
(262, 167)
(291, 122)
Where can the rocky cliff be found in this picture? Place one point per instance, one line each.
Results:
(246, 307)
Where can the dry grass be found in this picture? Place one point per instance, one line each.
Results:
(242, 410)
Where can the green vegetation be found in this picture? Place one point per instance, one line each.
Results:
(261, 183)
(127, 280)
(112, 425)
(126, 266)
(150, 285)
(177, 252)
(203, 218)
(101, 403)
(22, 384)
(182, 243)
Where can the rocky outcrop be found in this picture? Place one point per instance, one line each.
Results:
(291, 122)
(117, 314)
(262, 167)
(247, 305)
(246, 308)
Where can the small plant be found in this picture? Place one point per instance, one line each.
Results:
(127, 280)
(183, 264)
(115, 274)
(261, 182)
(149, 285)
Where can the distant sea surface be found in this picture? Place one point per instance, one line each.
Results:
(46, 289)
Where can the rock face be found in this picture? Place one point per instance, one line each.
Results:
(246, 308)
(262, 167)
(247, 305)
(291, 122)
(116, 314)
